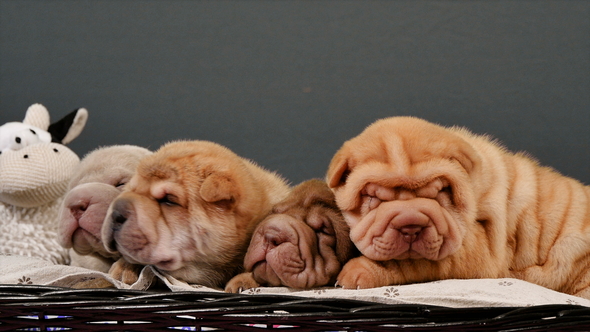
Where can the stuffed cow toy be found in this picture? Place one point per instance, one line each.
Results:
(35, 168)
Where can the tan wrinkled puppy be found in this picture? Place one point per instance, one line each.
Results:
(426, 202)
(302, 244)
(98, 179)
(190, 210)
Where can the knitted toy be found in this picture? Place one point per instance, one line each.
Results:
(35, 168)
(17, 135)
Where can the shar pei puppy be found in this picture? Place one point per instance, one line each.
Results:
(190, 210)
(302, 244)
(425, 202)
(98, 179)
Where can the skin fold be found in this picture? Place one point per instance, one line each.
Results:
(98, 180)
(302, 244)
(426, 202)
(190, 210)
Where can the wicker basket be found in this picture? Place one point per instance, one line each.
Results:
(43, 308)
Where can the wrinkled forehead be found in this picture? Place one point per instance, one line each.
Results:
(414, 177)
(105, 166)
(399, 151)
(410, 160)
(110, 176)
(153, 168)
(307, 195)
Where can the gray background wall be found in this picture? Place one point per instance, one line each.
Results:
(285, 83)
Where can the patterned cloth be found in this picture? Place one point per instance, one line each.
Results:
(450, 293)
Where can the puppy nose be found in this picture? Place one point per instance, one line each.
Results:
(118, 218)
(120, 212)
(77, 209)
(410, 232)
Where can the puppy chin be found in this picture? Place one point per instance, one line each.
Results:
(166, 261)
(201, 275)
(84, 243)
(264, 274)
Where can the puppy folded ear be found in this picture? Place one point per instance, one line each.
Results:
(219, 189)
(338, 170)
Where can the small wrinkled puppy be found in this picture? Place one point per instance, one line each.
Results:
(98, 179)
(426, 202)
(190, 210)
(302, 244)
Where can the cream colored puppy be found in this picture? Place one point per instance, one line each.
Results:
(100, 177)
(190, 210)
(425, 202)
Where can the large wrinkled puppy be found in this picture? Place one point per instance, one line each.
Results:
(98, 179)
(425, 202)
(302, 244)
(190, 210)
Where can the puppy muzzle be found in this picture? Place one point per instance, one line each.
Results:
(414, 228)
(119, 212)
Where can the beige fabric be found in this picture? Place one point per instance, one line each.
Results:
(36, 175)
(31, 232)
(450, 293)
(38, 116)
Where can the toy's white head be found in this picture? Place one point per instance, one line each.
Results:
(36, 175)
(34, 167)
(17, 135)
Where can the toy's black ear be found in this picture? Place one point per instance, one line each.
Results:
(69, 127)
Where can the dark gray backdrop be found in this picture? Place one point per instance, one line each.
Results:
(285, 83)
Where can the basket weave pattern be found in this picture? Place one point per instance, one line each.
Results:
(43, 308)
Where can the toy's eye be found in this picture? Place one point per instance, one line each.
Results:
(26, 156)
(55, 150)
(34, 133)
(17, 140)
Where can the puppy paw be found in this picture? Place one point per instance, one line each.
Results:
(360, 273)
(124, 271)
(240, 282)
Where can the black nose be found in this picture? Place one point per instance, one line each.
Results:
(118, 218)
(121, 212)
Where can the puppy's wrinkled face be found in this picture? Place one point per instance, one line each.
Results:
(100, 177)
(182, 212)
(150, 222)
(403, 186)
(303, 243)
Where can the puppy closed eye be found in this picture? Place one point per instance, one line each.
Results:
(326, 235)
(119, 182)
(369, 202)
(318, 219)
(445, 196)
(321, 223)
(325, 229)
(169, 200)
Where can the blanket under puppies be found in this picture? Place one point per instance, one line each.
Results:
(450, 293)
